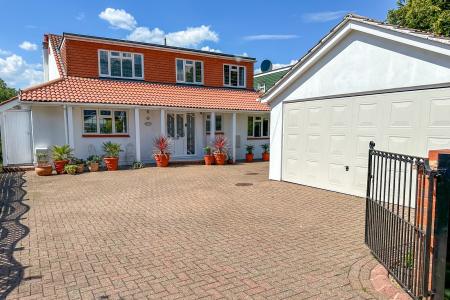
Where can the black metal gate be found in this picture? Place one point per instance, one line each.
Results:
(401, 218)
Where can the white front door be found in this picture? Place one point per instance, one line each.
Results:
(181, 129)
(17, 139)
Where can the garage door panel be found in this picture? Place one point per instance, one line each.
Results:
(367, 115)
(402, 114)
(438, 143)
(340, 116)
(439, 113)
(399, 144)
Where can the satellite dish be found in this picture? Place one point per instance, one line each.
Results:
(266, 65)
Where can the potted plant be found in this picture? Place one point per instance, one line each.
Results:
(265, 154)
(43, 168)
(208, 157)
(249, 154)
(220, 152)
(161, 152)
(93, 162)
(71, 169)
(61, 156)
(111, 158)
(80, 164)
(137, 165)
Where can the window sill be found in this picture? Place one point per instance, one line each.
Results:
(106, 135)
(257, 138)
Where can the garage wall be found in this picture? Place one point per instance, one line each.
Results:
(361, 63)
(48, 126)
(322, 137)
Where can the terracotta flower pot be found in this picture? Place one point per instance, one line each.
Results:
(80, 168)
(265, 156)
(93, 167)
(59, 166)
(111, 163)
(249, 157)
(220, 158)
(162, 160)
(209, 159)
(44, 170)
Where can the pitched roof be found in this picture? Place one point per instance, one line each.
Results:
(267, 97)
(108, 91)
(269, 78)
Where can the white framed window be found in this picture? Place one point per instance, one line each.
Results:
(261, 87)
(119, 64)
(234, 76)
(189, 71)
(219, 123)
(258, 126)
(105, 121)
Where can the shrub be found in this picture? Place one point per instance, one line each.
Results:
(265, 148)
(94, 159)
(70, 169)
(161, 145)
(111, 149)
(249, 149)
(63, 152)
(220, 144)
(137, 165)
(207, 150)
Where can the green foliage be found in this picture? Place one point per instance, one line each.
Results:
(249, 149)
(6, 92)
(77, 161)
(63, 152)
(138, 165)
(426, 15)
(111, 149)
(70, 169)
(265, 148)
(94, 159)
(207, 150)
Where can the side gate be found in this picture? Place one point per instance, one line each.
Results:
(407, 209)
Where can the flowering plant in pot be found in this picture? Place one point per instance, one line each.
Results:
(220, 149)
(79, 163)
(208, 157)
(265, 154)
(93, 162)
(43, 167)
(71, 169)
(249, 154)
(111, 158)
(61, 156)
(161, 154)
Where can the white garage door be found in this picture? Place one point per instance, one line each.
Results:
(18, 137)
(325, 142)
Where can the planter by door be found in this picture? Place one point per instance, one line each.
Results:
(59, 165)
(43, 170)
(265, 156)
(220, 158)
(111, 163)
(209, 159)
(162, 160)
(249, 157)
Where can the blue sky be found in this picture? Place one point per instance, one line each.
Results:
(281, 31)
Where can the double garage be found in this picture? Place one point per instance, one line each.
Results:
(365, 82)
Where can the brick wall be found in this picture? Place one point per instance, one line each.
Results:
(81, 59)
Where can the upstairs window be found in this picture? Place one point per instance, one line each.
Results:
(234, 76)
(121, 64)
(189, 71)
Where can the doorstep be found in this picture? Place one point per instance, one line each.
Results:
(18, 168)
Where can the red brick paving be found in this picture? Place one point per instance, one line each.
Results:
(188, 232)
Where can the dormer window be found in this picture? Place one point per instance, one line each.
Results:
(120, 64)
(234, 76)
(189, 71)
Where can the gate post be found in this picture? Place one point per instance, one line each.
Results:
(441, 224)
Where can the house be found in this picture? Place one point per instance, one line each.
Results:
(365, 81)
(265, 80)
(100, 89)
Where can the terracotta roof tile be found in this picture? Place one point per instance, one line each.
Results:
(108, 91)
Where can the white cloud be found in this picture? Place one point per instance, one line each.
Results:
(80, 16)
(244, 54)
(207, 48)
(324, 16)
(278, 66)
(264, 37)
(28, 46)
(190, 37)
(118, 18)
(16, 72)
(4, 52)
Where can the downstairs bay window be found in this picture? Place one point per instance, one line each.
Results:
(258, 127)
(105, 122)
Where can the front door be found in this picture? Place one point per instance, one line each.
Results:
(18, 137)
(181, 129)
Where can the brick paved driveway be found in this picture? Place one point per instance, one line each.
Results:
(189, 232)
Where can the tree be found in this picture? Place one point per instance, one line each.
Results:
(6, 92)
(426, 15)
